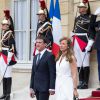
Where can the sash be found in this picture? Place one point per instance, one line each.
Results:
(5, 35)
(42, 27)
(82, 40)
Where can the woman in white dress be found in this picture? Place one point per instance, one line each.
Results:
(66, 72)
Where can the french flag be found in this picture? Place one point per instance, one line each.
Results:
(51, 10)
(57, 29)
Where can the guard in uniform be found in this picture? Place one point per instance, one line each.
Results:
(44, 28)
(7, 57)
(83, 39)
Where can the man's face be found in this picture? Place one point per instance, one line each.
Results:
(41, 17)
(5, 26)
(40, 45)
(82, 10)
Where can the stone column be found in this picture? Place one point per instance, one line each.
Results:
(4, 4)
(70, 15)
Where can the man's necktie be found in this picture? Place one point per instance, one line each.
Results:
(38, 59)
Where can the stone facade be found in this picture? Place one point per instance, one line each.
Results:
(4, 4)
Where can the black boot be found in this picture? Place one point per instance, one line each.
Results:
(86, 77)
(9, 83)
(84, 86)
(7, 97)
(4, 88)
(99, 87)
(81, 78)
(80, 84)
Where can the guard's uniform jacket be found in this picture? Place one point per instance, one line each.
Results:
(82, 33)
(82, 23)
(45, 29)
(7, 39)
(82, 29)
(7, 57)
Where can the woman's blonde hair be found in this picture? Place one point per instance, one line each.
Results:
(69, 53)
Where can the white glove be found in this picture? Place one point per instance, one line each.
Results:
(10, 54)
(72, 34)
(97, 12)
(89, 45)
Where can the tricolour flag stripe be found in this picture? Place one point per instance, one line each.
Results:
(57, 30)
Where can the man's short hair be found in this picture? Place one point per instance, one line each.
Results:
(42, 38)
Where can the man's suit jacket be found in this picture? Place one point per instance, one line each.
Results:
(44, 74)
(97, 39)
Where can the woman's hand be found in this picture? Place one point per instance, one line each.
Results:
(75, 92)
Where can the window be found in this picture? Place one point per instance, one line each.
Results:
(25, 20)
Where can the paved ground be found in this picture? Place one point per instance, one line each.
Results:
(24, 94)
(20, 80)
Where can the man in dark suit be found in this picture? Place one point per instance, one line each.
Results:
(43, 72)
(97, 39)
(97, 46)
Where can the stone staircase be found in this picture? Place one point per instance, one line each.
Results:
(95, 95)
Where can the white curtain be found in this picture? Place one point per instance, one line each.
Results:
(20, 26)
(20, 20)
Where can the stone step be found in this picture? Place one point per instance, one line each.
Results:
(91, 98)
(84, 93)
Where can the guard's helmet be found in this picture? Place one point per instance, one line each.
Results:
(82, 5)
(4, 21)
(41, 12)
